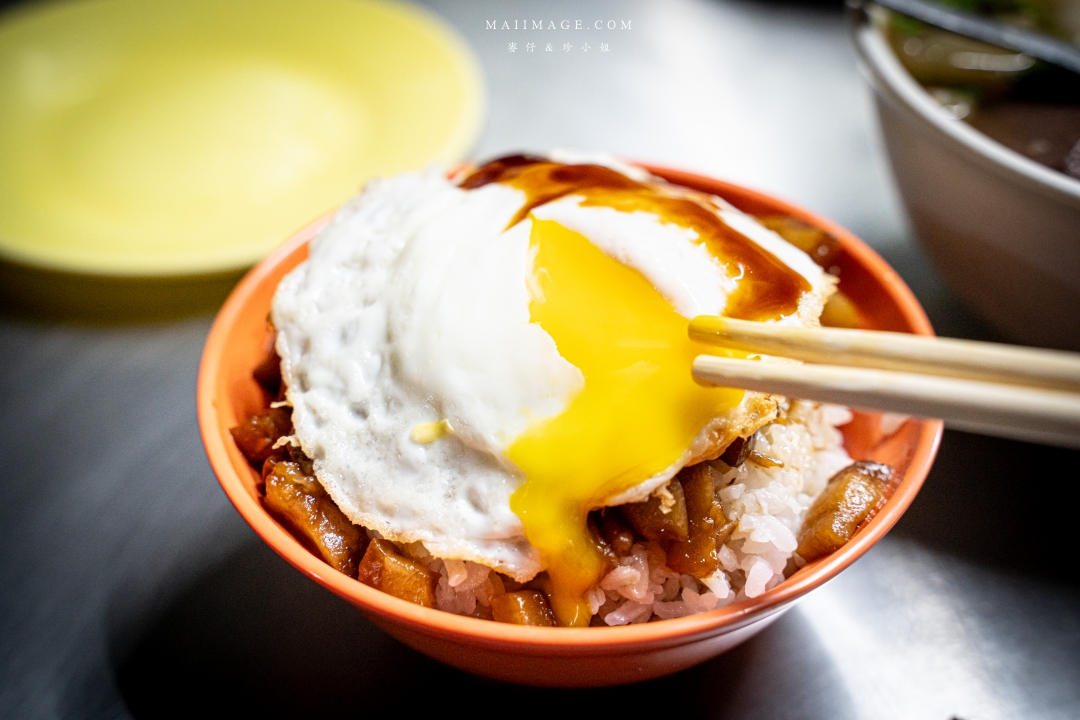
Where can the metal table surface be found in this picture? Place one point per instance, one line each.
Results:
(130, 587)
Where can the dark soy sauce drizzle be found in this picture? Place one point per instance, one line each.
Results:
(767, 288)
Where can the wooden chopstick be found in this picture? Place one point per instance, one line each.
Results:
(1024, 413)
(968, 359)
(1022, 393)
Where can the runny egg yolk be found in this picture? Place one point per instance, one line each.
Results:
(638, 412)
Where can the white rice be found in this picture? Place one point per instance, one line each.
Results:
(767, 503)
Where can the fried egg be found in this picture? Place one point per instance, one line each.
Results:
(475, 364)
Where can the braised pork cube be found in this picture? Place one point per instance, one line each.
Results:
(740, 448)
(541, 582)
(256, 436)
(659, 517)
(823, 248)
(611, 558)
(383, 568)
(852, 497)
(302, 505)
(296, 455)
(524, 607)
(724, 527)
(288, 453)
(708, 528)
(269, 464)
(616, 531)
(840, 312)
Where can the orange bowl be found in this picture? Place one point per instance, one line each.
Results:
(562, 657)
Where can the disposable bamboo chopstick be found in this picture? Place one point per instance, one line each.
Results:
(1025, 413)
(1016, 392)
(896, 351)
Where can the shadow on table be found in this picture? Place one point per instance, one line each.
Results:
(51, 295)
(999, 503)
(994, 502)
(255, 637)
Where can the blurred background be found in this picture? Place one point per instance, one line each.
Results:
(130, 588)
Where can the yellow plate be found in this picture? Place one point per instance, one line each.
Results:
(179, 137)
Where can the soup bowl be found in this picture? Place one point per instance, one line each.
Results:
(1003, 230)
(563, 657)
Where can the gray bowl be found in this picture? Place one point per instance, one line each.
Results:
(1003, 230)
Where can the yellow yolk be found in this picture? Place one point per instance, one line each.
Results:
(636, 415)
(426, 433)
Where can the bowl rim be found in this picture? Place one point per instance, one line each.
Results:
(887, 75)
(558, 641)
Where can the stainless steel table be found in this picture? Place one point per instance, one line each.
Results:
(129, 587)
